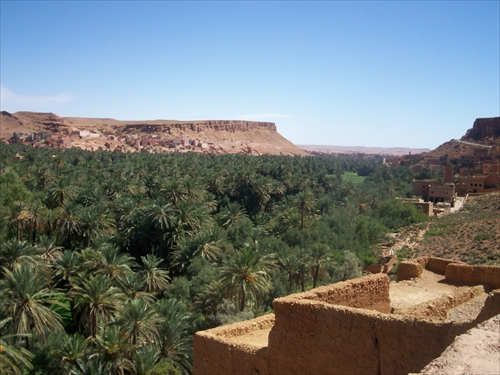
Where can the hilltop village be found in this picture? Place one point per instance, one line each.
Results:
(122, 142)
(48, 130)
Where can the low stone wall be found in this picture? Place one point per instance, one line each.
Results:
(217, 351)
(463, 273)
(370, 292)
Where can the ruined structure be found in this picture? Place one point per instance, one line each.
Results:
(348, 328)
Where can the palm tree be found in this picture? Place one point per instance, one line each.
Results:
(134, 286)
(73, 349)
(319, 256)
(161, 214)
(291, 264)
(304, 203)
(21, 218)
(37, 222)
(114, 349)
(61, 192)
(156, 278)
(98, 299)
(246, 272)
(211, 298)
(211, 243)
(175, 338)
(68, 223)
(174, 192)
(193, 216)
(145, 359)
(12, 357)
(233, 213)
(140, 320)
(68, 265)
(15, 252)
(49, 252)
(95, 222)
(28, 301)
(110, 262)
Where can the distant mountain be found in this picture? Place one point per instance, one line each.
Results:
(204, 136)
(396, 151)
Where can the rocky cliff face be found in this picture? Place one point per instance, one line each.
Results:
(206, 136)
(200, 126)
(483, 128)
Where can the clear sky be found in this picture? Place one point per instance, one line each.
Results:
(367, 73)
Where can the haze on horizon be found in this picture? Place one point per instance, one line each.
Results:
(373, 74)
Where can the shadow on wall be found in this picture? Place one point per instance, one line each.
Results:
(342, 328)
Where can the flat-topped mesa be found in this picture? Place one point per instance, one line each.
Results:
(483, 128)
(199, 126)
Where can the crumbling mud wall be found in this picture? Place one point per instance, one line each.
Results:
(436, 265)
(218, 351)
(344, 328)
(384, 264)
(318, 338)
(408, 270)
(463, 273)
(369, 292)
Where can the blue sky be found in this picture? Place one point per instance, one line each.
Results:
(387, 74)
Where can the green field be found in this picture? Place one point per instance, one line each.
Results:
(353, 177)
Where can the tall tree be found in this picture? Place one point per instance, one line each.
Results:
(28, 301)
(98, 300)
(246, 273)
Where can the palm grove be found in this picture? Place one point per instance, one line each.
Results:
(110, 262)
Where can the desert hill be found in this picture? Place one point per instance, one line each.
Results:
(330, 149)
(206, 136)
(480, 143)
(485, 132)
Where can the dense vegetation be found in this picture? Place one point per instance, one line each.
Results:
(110, 262)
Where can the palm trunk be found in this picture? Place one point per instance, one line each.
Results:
(243, 297)
(315, 275)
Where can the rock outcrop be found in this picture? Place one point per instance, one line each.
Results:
(483, 128)
(154, 136)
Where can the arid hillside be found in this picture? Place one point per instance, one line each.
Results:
(204, 136)
(485, 133)
(471, 235)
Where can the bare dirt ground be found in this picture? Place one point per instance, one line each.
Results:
(409, 293)
(476, 352)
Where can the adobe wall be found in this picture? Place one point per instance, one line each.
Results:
(313, 337)
(463, 273)
(436, 265)
(344, 328)
(370, 292)
(460, 272)
(217, 351)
